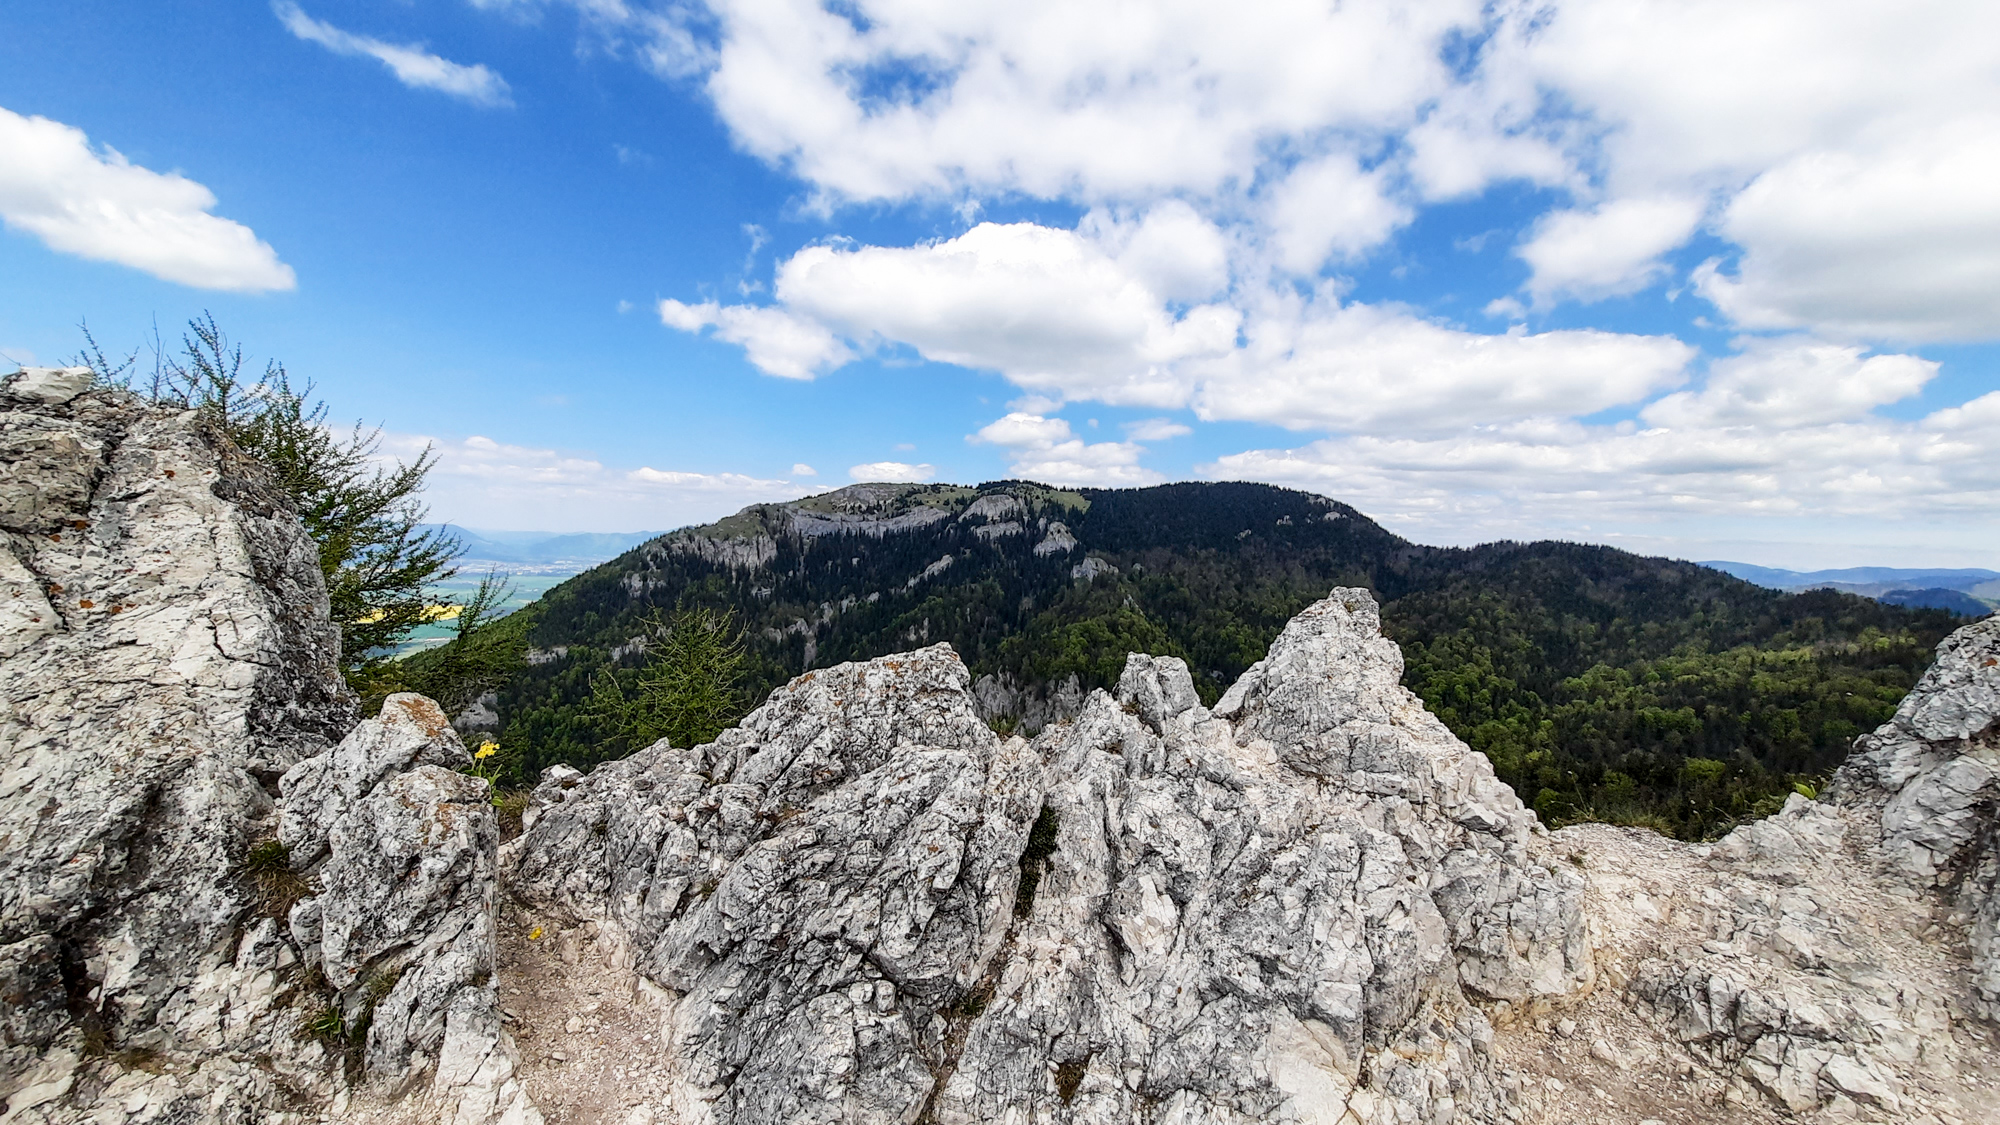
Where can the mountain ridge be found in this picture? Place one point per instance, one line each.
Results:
(1591, 676)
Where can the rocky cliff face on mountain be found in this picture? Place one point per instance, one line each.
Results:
(225, 899)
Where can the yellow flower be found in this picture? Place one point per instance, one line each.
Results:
(534, 933)
(487, 749)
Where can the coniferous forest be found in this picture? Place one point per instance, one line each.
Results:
(1602, 684)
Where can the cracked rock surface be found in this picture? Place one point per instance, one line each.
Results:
(1310, 903)
(1284, 910)
(166, 657)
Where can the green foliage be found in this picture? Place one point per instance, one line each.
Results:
(1042, 839)
(1587, 674)
(481, 656)
(268, 866)
(691, 688)
(327, 1026)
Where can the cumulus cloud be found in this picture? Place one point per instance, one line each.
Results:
(1055, 99)
(893, 472)
(1330, 208)
(1901, 243)
(1835, 136)
(775, 341)
(1047, 307)
(1317, 363)
(1045, 449)
(1785, 430)
(488, 483)
(1793, 383)
(411, 64)
(99, 205)
(1609, 251)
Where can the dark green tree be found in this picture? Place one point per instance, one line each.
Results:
(691, 688)
(609, 714)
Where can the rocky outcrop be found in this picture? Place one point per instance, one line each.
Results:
(1831, 962)
(1292, 905)
(168, 654)
(400, 847)
(1310, 903)
(166, 658)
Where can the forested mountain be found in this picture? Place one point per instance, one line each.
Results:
(1602, 684)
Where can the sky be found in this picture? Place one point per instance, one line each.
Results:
(1702, 278)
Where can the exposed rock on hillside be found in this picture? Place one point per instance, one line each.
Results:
(1239, 914)
(1310, 904)
(222, 900)
(165, 657)
(167, 654)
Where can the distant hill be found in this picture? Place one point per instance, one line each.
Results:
(1957, 601)
(1602, 684)
(1979, 589)
(543, 547)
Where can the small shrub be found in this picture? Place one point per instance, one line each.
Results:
(508, 805)
(268, 866)
(1069, 1076)
(327, 1026)
(1041, 845)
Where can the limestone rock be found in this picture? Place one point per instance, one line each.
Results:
(1799, 961)
(828, 897)
(166, 655)
(402, 849)
(814, 887)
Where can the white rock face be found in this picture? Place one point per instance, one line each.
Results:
(165, 658)
(402, 847)
(1932, 774)
(828, 895)
(164, 655)
(814, 887)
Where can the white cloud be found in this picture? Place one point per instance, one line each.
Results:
(804, 470)
(1052, 312)
(1156, 429)
(487, 483)
(1837, 139)
(1609, 251)
(412, 65)
(1793, 383)
(1319, 364)
(1330, 208)
(1056, 99)
(894, 472)
(1046, 307)
(1900, 243)
(1045, 449)
(102, 206)
(1783, 431)
(777, 342)
(1172, 250)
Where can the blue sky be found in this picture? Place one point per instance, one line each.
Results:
(1710, 280)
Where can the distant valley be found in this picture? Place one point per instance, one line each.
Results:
(1973, 592)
